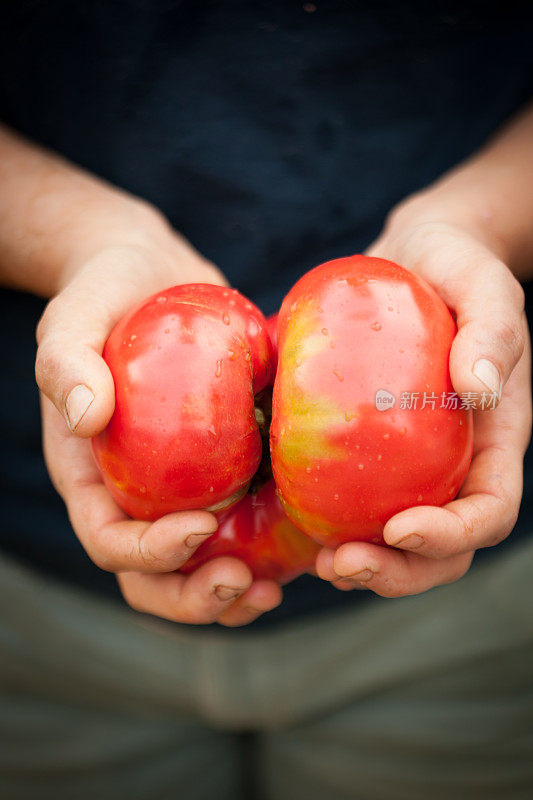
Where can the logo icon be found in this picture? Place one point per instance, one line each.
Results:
(384, 400)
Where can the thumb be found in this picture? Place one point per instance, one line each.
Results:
(69, 368)
(491, 332)
(72, 332)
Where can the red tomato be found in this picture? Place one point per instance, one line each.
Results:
(186, 365)
(347, 330)
(257, 531)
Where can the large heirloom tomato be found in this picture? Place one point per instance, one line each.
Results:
(186, 363)
(258, 531)
(361, 342)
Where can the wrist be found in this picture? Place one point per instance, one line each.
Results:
(135, 233)
(55, 218)
(460, 202)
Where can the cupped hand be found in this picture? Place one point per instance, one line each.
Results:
(78, 401)
(491, 355)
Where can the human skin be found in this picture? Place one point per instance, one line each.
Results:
(97, 251)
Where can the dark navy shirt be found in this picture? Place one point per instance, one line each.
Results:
(274, 135)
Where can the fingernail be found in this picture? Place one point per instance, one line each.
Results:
(488, 374)
(227, 592)
(361, 577)
(77, 404)
(412, 542)
(350, 583)
(193, 540)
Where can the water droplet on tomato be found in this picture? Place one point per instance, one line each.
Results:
(379, 457)
(386, 435)
(360, 466)
(142, 489)
(419, 498)
(212, 431)
(218, 372)
(376, 326)
(225, 318)
(325, 331)
(403, 431)
(308, 469)
(335, 496)
(161, 299)
(133, 337)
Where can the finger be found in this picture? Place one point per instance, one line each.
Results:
(349, 584)
(488, 302)
(488, 505)
(326, 570)
(262, 596)
(197, 599)
(69, 368)
(324, 564)
(480, 519)
(112, 540)
(392, 573)
(490, 339)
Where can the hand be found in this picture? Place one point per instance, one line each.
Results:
(78, 401)
(490, 354)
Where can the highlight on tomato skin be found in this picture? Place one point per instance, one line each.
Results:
(258, 532)
(186, 364)
(347, 330)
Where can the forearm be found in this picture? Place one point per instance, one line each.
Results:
(54, 216)
(492, 192)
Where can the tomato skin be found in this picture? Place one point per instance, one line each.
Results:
(258, 532)
(186, 365)
(347, 329)
(272, 327)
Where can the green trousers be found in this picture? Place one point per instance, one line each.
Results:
(422, 698)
